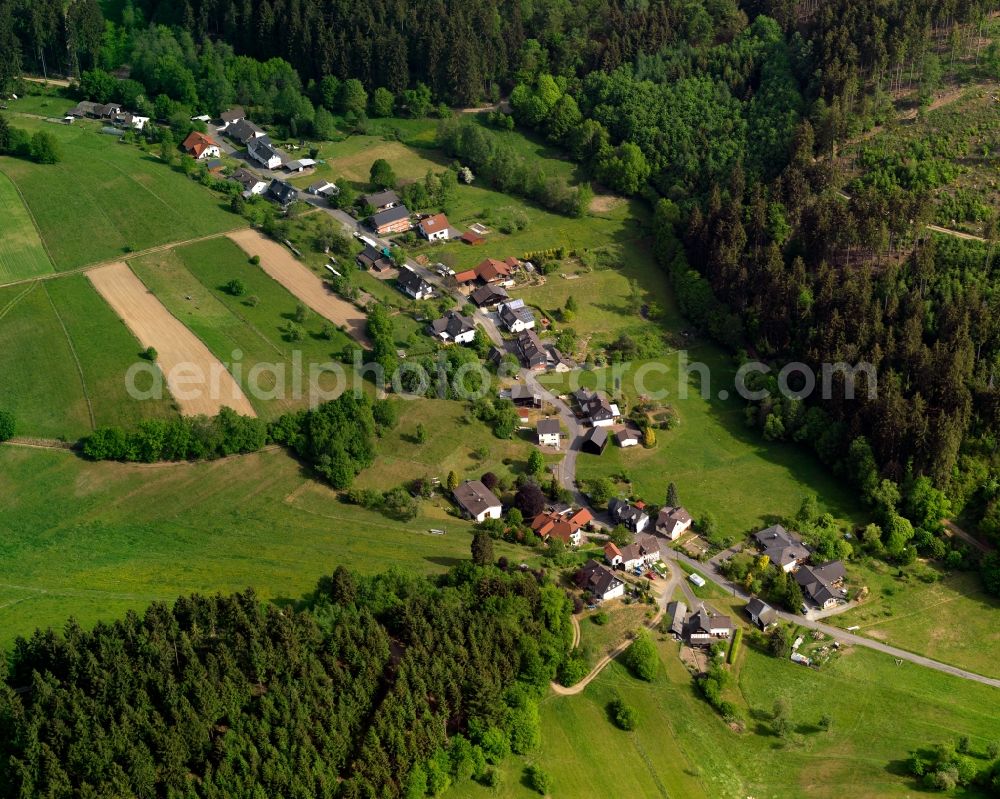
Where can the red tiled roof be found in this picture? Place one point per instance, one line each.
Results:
(466, 277)
(472, 238)
(491, 269)
(433, 224)
(197, 143)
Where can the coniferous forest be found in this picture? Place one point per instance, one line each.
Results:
(373, 687)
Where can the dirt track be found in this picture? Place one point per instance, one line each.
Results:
(295, 276)
(176, 346)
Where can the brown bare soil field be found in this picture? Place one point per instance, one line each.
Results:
(180, 354)
(295, 276)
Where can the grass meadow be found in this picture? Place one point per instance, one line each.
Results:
(22, 254)
(952, 619)
(92, 540)
(64, 326)
(105, 199)
(681, 748)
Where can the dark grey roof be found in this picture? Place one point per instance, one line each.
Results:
(818, 582)
(521, 391)
(243, 131)
(677, 612)
(413, 283)
(510, 314)
(548, 427)
(380, 199)
(622, 510)
(760, 610)
(597, 436)
(390, 215)
(530, 348)
(474, 497)
(246, 178)
(262, 149)
(453, 324)
(282, 192)
(487, 295)
(596, 579)
(233, 115)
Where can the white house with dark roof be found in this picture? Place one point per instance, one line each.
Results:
(625, 513)
(704, 627)
(252, 184)
(549, 432)
(760, 613)
(264, 153)
(381, 200)
(642, 552)
(413, 285)
(477, 501)
(672, 523)
(453, 328)
(516, 317)
(783, 548)
(598, 581)
(823, 585)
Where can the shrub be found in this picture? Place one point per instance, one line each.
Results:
(640, 658)
(538, 780)
(734, 649)
(255, 260)
(150, 354)
(623, 715)
(8, 425)
(236, 287)
(600, 619)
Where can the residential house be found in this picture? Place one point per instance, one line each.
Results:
(282, 193)
(784, 549)
(627, 436)
(703, 627)
(465, 278)
(599, 582)
(549, 432)
(493, 271)
(524, 396)
(487, 296)
(264, 153)
(391, 220)
(200, 146)
(673, 522)
(596, 408)
(594, 441)
(516, 316)
(323, 188)
(244, 131)
(231, 117)
(760, 613)
(566, 525)
(642, 552)
(559, 362)
(434, 228)
(252, 184)
(126, 119)
(413, 285)
(372, 258)
(823, 585)
(453, 328)
(530, 350)
(625, 513)
(381, 200)
(477, 501)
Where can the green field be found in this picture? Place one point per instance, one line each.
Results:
(105, 199)
(21, 252)
(64, 355)
(92, 540)
(953, 620)
(682, 748)
(190, 282)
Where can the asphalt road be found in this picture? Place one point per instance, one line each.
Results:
(711, 572)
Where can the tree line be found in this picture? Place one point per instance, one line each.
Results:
(337, 438)
(390, 685)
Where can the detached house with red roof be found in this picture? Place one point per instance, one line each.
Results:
(200, 146)
(434, 228)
